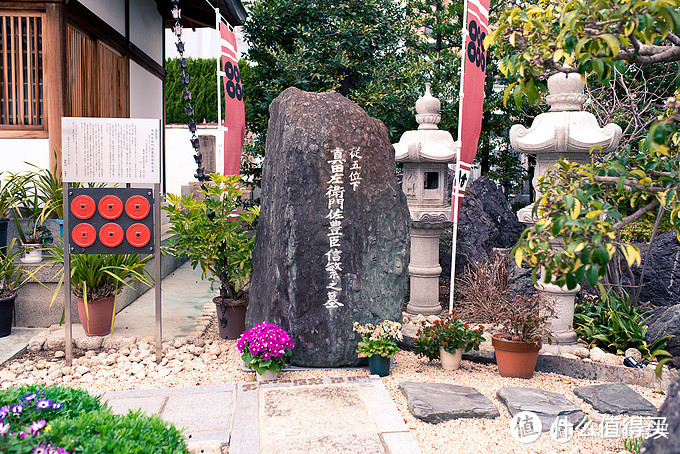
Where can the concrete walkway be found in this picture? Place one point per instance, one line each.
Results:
(182, 298)
(324, 415)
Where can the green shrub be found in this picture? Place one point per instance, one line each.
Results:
(102, 431)
(203, 86)
(615, 325)
(641, 230)
(59, 420)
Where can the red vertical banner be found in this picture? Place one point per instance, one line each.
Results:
(472, 95)
(234, 108)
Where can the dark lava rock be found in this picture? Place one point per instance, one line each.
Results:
(615, 399)
(671, 411)
(666, 322)
(662, 273)
(328, 253)
(437, 402)
(546, 405)
(486, 221)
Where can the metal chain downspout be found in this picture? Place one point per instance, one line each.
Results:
(186, 94)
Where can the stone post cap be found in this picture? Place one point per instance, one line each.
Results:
(428, 110)
(566, 92)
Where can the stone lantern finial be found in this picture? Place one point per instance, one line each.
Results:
(566, 92)
(428, 110)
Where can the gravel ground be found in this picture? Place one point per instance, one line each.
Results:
(211, 360)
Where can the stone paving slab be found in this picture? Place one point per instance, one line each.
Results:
(321, 415)
(615, 399)
(202, 411)
(438, 402)
(546, 405)
(15, 344)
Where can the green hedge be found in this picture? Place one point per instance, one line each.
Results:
(59, 419)
(203, 86)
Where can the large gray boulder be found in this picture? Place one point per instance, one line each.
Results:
(333, 236)
(670, 443)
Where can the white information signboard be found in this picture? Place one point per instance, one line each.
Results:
(111, 150)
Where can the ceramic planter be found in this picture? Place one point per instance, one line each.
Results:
(32, 253)
(3, 233)
(450, 361)
(267, 376)
(231, 317)
(100, 316)
(515, 359)
(6, 315)
(379, 365)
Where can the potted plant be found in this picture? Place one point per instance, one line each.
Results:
(11, 280)
(265, 348)
(378, 344)
(525, 321)
(447, 339)
(96, 281)
(211, 235)
(8, 188)
(51, 194)
(35, 236)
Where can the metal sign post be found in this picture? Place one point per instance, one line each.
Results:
(111, 151)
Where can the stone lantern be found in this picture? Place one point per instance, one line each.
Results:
(565, 132)
(426, 154)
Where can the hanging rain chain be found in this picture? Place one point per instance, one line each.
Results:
(186, 93)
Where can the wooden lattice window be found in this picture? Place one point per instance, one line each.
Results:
(98, 78)
(22, 104)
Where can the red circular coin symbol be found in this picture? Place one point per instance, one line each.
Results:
(138, 235)
(83, 207)
(84, 234)
(111, 235)
(137, 207)
(110, 207)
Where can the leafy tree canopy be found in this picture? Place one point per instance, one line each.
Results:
(581, 204)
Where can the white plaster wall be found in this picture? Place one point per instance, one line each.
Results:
(146, 93)
(16, 152)
(111, 11)
(179, 156)
(201, 43)
(146, 28)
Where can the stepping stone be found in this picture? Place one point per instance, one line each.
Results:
(546, 405)
(615, 399)
(437, 402)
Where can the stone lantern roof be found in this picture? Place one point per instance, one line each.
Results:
(566, 128)
(427, 143)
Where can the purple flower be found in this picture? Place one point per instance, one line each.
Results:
(57, 406)
(37, 425)
(28, 397)
(17, 409)
(41, 449)
(4, 411)
(4, 428)
(43, 404)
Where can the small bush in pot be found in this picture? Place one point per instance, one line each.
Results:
(525, 321)
(11, 281)
(209, 233)
(378, 343)
(96, 281)
(447, 336)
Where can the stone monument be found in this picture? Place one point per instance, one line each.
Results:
(426, 154)
(565, 132)
(333, 234)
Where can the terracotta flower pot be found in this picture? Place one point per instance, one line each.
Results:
(231, 317)
(515, 359)
(100, 316)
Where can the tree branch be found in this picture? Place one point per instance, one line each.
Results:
(627, 184)
(637, 215)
